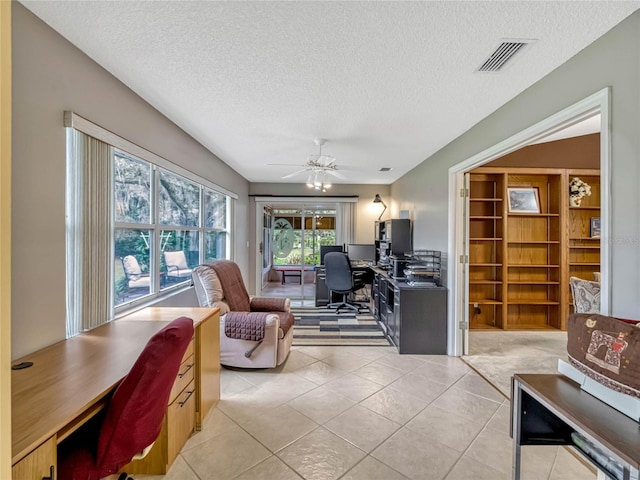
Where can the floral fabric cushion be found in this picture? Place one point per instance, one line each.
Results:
(586, 295)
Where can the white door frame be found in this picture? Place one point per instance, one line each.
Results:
(599, 102)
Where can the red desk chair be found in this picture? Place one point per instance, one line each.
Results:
(134, 415)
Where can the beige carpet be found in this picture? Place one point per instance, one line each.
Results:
(497, 355)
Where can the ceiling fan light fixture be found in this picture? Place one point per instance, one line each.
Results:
(320, 168)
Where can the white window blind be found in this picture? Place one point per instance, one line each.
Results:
(347, 217)
(89, 232)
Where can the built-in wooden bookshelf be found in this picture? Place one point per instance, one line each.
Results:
(583, 241)
(486, 268)
(520, 262)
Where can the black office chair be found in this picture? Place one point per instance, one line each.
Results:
(341, 279)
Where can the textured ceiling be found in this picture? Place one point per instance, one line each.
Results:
(387, 83)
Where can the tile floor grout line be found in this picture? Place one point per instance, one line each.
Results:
(553, 464)
(485, 378)
(273, 453)
(477, 394)
(368, 455)
(189, 466)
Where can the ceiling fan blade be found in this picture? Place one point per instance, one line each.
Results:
(285, 164)
(335, 173)
(295, 173)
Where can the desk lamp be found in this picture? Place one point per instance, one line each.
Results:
(379, 200)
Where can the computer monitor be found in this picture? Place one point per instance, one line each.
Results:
(360, 252)
(324, 249)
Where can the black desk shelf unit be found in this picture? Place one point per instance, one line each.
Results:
(392, 237)
(414, 318)
(546, 409)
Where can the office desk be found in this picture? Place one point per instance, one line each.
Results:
(546, 409)
(413, 317)
(69, 380)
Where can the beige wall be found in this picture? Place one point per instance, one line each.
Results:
(50, 76)
(5, 239)
(612, 61)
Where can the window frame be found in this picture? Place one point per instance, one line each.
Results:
(156, 290)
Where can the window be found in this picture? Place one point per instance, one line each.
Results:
(136, 224)
(165, 225)
(216, 230)
(319, 229)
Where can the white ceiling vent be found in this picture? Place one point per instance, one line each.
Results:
(503, 53)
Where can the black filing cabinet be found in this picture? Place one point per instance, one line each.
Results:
(322, 292)
(414, 318)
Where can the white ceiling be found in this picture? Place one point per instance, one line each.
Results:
(387, 83)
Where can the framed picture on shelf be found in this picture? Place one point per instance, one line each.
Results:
(595, 227)
(523, 200)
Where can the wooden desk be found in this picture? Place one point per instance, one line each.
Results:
(68, 380)
(547, 409)
(207, 350)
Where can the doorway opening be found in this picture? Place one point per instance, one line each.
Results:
(458, 277)
(295, 234)
(290, 232)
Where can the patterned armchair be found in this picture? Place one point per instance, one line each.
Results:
(255, 332)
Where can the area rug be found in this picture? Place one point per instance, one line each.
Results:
(321, 326)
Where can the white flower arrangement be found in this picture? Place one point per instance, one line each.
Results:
(579, 188)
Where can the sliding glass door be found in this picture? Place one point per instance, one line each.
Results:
(291, 240)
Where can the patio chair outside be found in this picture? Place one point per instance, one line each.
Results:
(134, 274)
(177, 268)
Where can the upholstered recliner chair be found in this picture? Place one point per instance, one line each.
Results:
(255, 332)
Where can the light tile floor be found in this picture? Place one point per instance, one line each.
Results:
(362, 413)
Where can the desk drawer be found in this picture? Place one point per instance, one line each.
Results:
(37, 464)
(185, 376)
(188, 352)
(181, 421)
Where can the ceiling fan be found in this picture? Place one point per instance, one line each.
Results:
(319, 167)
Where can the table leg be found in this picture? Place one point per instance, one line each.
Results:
(516, 406)
(282, 280)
